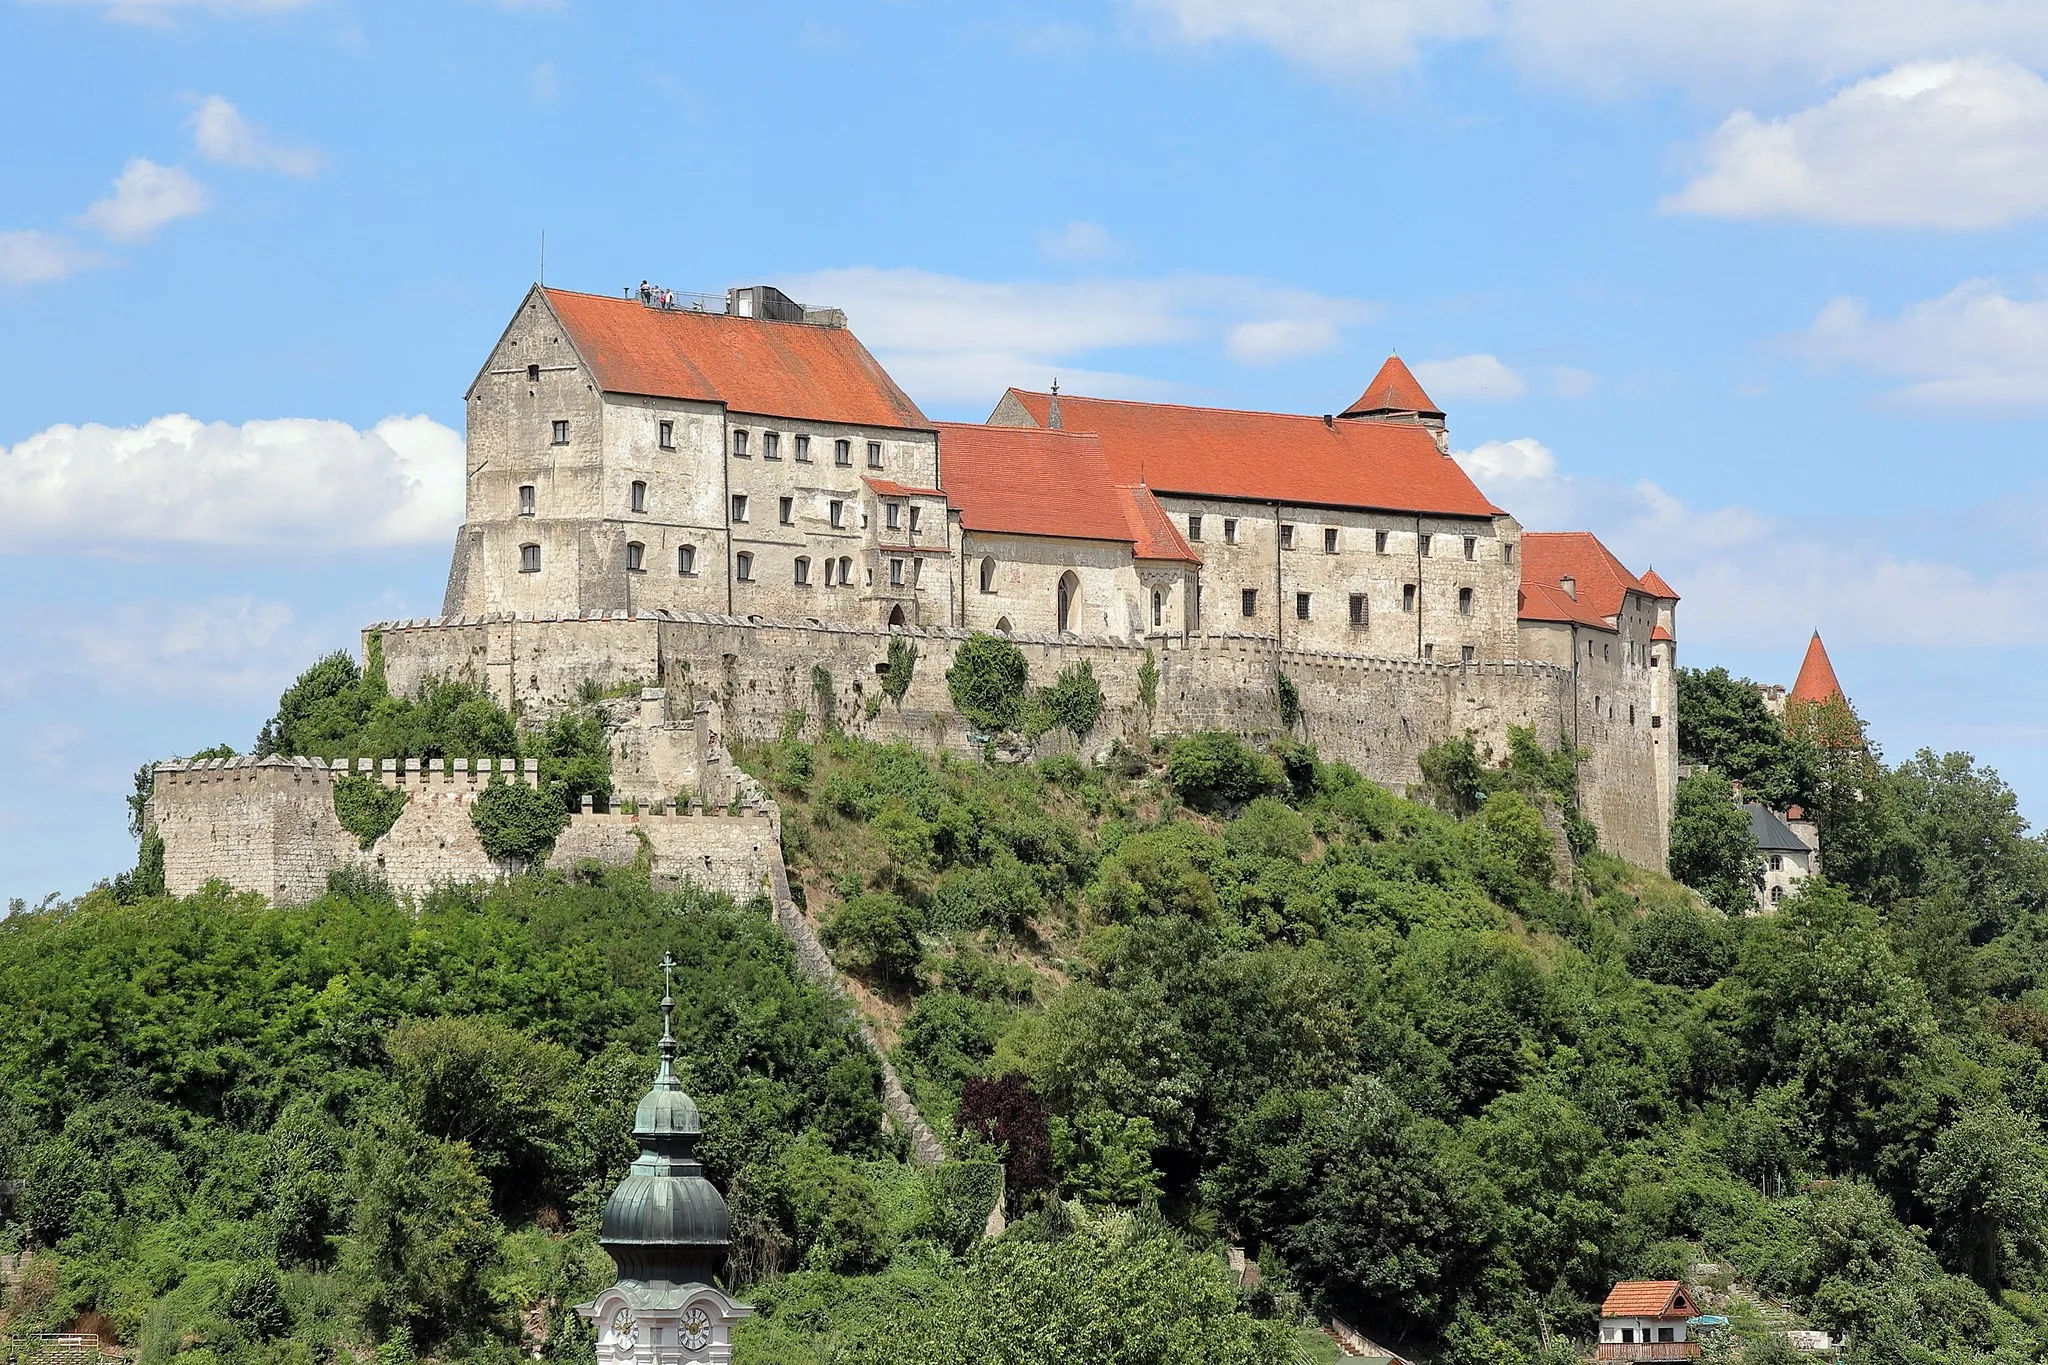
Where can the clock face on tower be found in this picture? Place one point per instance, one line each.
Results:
(625, 1330)
(696, 1329)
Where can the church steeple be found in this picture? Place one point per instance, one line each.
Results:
(667, 1230)
(665, 1223)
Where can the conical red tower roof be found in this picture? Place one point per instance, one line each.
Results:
(1394, 389)
(1656, 585)
(1817, 681)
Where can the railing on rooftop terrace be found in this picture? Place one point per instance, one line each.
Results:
(1647, 1350)
(676, 301)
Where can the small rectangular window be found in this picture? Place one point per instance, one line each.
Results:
(1507, 553)
(739, 444)
(1464, 601)
(891, 513)
(1422, 546)
(803, 571)
(1407, 597)
(743, 567)
(686, 560)
(1429, 651)
(1379, 542)
(667, 433)
(529, 559)
(1329, 540)
(835, 511)
(739, 507)
(1777, 862)
(561, 436)
(1654, 659)
(1286, 535)
(533, 374)
(1230, 530)
(895, 573)
(803, 450)
(786, 511)
(1250, 601)
(874, 454)
(639, 495)
(828, 572)
(1194, 526)
(842, 452)
(1358, 609)
(1467, 653)
(771, 445)
(525, 499)
(913, 520)
(1301, 606)
(1471, 547)
(636, 558)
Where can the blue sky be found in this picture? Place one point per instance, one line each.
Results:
(1751, 288)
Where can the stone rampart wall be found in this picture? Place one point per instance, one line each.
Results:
(749, 675)
(268, 825)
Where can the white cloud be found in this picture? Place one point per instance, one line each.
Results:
(1077, 241)
(1607, 47)
(1749, 577)
(1973, 345)
(1955, 144)
(956, 340)
(146, 196)
(221, 134)
(37, 257)
(285, 484)
(1469, 376)
(163, 11)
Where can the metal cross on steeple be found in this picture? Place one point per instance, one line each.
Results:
(668, 1009)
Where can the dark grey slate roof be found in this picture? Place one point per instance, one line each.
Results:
(1770, 833)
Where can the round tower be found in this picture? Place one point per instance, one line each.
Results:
(667, 1230)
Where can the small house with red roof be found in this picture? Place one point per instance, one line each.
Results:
(1646, 1320)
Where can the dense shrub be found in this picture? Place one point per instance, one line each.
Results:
(517, 821)
(878, 933)
(988, 683)
(366, 807)
(1214, 769)
(1074, 701)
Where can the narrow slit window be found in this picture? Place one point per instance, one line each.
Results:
(1358, 610)
(895, 573)
(845, 570)
(803, 571)
(1286, 535)
(874, 454)
(667, 435)
(1422, 546)
(1230, 530)
(639, 495)
(1471, 547)
(1249, 601)
(1379, 542)
(1407, 597)
(835, 511)
(913, 520)
(1158, 608)
(525, 499)
(1301, 606)
(786, 511)
(988, 574)
(1464, 601)
(1329, 540)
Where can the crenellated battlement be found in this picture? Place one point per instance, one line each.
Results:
(409, 773)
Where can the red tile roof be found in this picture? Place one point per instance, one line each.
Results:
(1657, 586)
(1659, 633)
(890, 489)
(1269, 456)
(773, 369)
(1023, 481)
(1394, 389)
(1542, 602)
(1601, 579)
(1816, 681)
(1647, 1299)
(1153, 534)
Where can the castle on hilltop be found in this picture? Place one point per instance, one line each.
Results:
(733, 506)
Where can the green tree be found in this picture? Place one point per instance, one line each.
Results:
(988, 683)
(1454, 774)
(1105, 1158)
(424, 1234)
(879, 933)
(1678, 945)
(1711, 850)
(508, 1098)
(514, 820)
(1723, 724)
(1987, 1182)
(1075, 699)
(1213, 769)
(900, 668)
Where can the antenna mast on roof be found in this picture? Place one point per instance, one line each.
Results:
(543, 255)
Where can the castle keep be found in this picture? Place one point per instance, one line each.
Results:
(735, 507)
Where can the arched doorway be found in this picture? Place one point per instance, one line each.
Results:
(1002, 625)
(895, 618)
(1069, 600)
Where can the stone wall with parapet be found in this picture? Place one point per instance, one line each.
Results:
(749, 675)
(268, 825)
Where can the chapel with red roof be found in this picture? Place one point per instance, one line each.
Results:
(746, 457)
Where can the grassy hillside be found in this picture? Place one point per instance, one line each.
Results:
(1434, 1075)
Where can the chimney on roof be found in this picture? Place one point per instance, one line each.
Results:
(1052, 416)
(1570, 586)
(1330, 420)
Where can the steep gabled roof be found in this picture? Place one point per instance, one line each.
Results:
(1394, 389)
(1647, 1299)
(1022, 481)
(1816, 681)
(1543, 602)
(1600, 579)
(1769, 833)
(1269, 456)
(1658, 633)
(1656, 586)
(752, 365)
(1153, 534)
